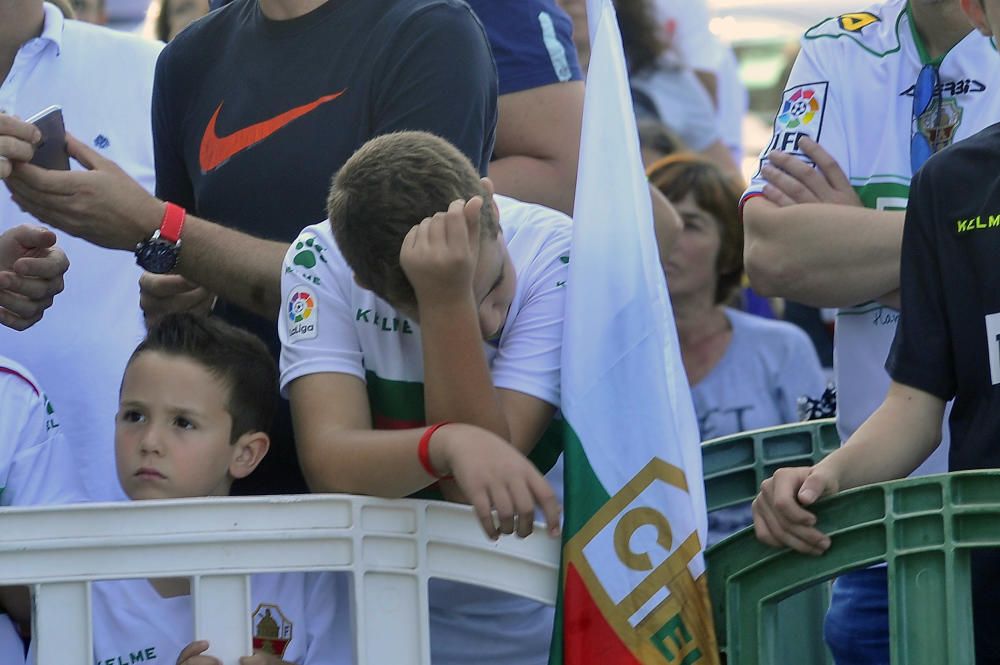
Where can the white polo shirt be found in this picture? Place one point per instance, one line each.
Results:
(103, 80)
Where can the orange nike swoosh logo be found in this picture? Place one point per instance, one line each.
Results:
(216, 150)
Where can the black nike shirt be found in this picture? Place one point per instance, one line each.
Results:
(252, 118)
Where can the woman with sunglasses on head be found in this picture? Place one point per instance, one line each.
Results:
(871, 96)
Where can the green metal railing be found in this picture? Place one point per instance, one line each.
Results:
(923, 528)
(734, 467)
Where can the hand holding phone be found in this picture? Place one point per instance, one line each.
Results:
(50, 153)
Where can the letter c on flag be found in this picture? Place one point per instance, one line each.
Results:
(629, 524)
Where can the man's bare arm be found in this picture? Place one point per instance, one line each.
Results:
(103, 205)
(538, 144)
(822, 254)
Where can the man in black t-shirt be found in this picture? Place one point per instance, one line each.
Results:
(947, 346)
(255, 107)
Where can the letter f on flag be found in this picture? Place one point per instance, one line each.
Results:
(633, 587)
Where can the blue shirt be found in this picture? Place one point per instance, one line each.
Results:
(532, 42)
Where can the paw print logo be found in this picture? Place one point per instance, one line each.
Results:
(101, 141)
(308, 252)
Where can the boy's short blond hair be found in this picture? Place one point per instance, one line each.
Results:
(386, 188)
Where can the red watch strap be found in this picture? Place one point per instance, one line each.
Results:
(173, 222)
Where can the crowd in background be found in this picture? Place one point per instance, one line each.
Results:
(236, 116)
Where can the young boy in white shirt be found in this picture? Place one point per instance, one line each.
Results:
(421, 340)
(195, 404)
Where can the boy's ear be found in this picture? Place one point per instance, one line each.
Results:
(974, 10)
(248, 451)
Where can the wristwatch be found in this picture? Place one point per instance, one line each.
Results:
(160, 252)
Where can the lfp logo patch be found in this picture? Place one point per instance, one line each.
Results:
(302, 314)
(800, 115)
(799, 109)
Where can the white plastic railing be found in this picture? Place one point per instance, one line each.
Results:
(391, 547)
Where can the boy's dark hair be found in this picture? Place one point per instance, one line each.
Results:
(240, 359)
(718, 194)
(386, 188)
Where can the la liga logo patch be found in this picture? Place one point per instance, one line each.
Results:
(302, 314)
(799, 116)
(799, 108)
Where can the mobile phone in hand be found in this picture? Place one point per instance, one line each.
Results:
(50, 153)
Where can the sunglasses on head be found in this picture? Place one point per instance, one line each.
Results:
(925, 91)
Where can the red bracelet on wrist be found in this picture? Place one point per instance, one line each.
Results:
(424, 450)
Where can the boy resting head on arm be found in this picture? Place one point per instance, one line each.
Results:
(424, 300)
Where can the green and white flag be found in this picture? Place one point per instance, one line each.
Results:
(633, 589)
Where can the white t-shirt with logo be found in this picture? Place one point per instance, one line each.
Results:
(330, 324)
(35, 463)
(103, 80)
(851, 89)
(296, 616)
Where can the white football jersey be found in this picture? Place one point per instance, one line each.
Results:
(330, 324)
(851, 89)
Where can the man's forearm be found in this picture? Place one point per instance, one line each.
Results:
(822, 255)
(239, 268)
(536, 180)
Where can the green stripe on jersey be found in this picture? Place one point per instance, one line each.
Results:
(395, 400)
(883, 195)
(402, 402)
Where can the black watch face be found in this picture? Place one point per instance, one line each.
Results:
(157, 257)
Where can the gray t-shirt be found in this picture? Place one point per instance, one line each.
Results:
(757, 383)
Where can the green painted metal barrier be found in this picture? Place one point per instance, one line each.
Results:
(734, 467)
(922, 527)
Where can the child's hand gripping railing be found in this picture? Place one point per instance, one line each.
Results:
(734, 467)
(924, 528)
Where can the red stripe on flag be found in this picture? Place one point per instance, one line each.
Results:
(588, 639)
